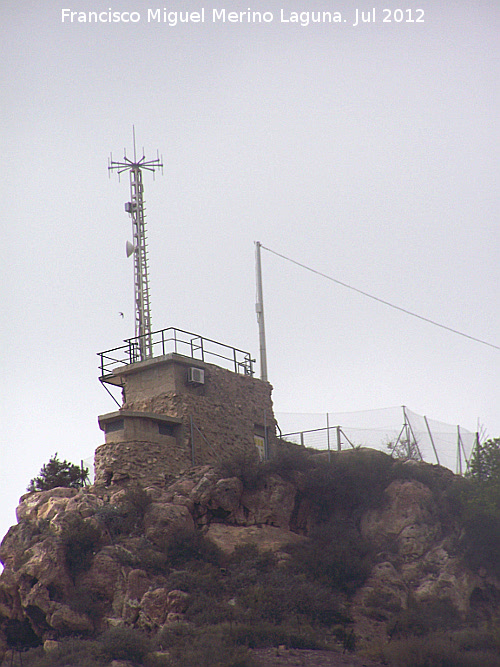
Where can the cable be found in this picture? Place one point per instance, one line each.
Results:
(376, 298)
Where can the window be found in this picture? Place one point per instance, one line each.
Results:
(166, 429)
(116, 425)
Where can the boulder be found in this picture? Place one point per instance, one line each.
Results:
(266, 538)
(154, 608)
(163, 519)
(272, 504)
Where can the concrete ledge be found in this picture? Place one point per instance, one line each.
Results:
(172, 357)
(131, 414)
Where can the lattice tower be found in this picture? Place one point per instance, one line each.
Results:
(139, 247)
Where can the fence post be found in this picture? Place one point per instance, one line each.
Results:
(339, 441)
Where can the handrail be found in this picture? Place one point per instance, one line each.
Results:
(172, 339)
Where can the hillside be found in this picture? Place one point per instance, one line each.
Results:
(362, 560)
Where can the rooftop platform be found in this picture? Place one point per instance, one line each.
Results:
(172, 341)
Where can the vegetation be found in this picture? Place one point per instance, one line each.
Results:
(252, 600)
(81, 540)
(57, 473)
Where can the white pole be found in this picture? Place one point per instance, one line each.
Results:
(259, 309)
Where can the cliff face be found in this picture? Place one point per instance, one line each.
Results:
(81, 561)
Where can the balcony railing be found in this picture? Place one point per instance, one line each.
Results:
(177, 341)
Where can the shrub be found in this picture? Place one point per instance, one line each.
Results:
(69, 653)
(423, 618)
(124, 644)
(263, 634)
(481, 543)
(335, 556)
(435, 651)
(81, 540)
(185, 546)
(211, 647)
(57, 473)
(348, 485)
(127, 516)
(245, 466)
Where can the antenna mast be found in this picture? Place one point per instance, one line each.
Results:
(136, 209)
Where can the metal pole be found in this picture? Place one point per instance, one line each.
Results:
(192, 440)
(328, 436)
(259, 309)
(339, 441)
(411, 435)
(459, 452)
(266, 444)
(432, 440)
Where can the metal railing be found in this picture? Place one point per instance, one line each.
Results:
(177, 341)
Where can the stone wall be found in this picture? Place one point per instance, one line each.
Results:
(216, 419)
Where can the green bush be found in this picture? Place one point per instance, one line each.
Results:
(481, 543)
(124, 644)
(423, 618)
(348, 485)
(81, 540)
(57, 473)
(208, 647)
(263, 634)
(336, 556)
(69, 653)
(185, 546)
(245, 466)
(435, 651)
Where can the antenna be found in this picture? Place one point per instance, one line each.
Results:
(138, 248)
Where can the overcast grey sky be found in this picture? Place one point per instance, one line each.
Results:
(367, 152)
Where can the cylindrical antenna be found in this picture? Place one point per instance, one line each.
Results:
(259, 308)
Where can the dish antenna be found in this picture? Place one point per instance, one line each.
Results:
(135, 207)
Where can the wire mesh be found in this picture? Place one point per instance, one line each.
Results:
(450, 446)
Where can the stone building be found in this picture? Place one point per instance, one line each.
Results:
(181, 410)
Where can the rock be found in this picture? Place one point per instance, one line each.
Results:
(162, 520)
(105, 575)
(407, 525)
(30, 503)
(272, 504)
(154, 608)
(177, 601)
(266, 538)
(226, 495)
(137, 584)
(50, 645)
(68, 621)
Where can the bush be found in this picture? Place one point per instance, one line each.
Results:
(185, 546)
(57, 473)
(435, 651)
(245, 466)
(69, 653)
(423, 618)
(81, 540)
(124, 644)
(335, 556)
(211, 647)
(262, 634)
(348, 485)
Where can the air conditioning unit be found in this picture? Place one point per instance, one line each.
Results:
(196, 375)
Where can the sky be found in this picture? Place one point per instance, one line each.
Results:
(367, 152)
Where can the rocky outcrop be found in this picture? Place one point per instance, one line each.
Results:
(125, 582)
